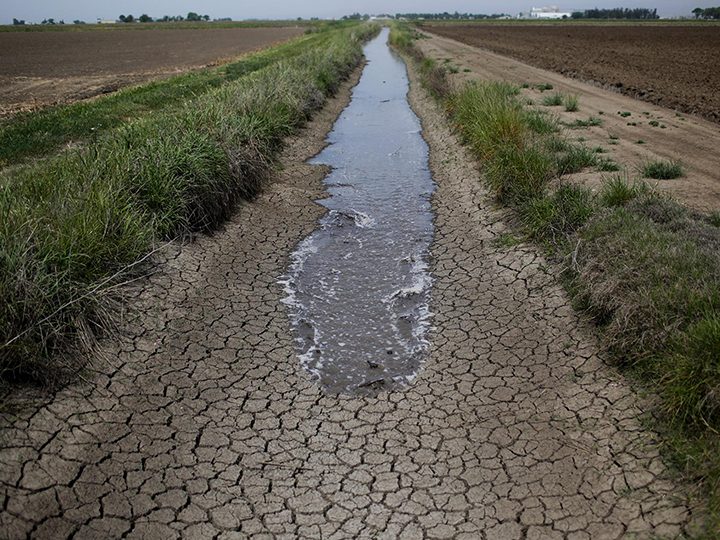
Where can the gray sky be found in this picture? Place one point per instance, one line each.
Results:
(89, 10)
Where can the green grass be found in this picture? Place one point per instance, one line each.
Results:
(574, 159)
(617, 190)
(662, 169)
(593, 121)
(553, 217)
(553, 100)
(607, 165)
(35, 134)
(73, 226)
(572, 103)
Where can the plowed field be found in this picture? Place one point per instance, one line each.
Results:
(42, 68)
(673, 66)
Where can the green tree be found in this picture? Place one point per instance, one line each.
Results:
(145, 18)
(192, 16)
(18, 22)
(697, 12)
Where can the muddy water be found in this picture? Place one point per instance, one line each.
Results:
(358, 287)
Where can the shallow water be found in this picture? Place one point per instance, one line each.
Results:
(358, 287)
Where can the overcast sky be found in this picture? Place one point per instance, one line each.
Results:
(90, 10)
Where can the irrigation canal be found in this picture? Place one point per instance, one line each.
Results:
(358, 287)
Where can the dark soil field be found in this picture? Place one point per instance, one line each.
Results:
(673, 66)
(42, 68)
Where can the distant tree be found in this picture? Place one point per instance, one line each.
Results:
(61, 21)
(145, 18)
(48, 21)
(78, 21)
(192, 16)
(698, 12)
(126, 18)
(18, 22)
(206, 17)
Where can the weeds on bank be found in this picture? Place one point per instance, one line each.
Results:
(553, 100)
(571, 103)
(662, 169)
(74, 226)
(646, 269)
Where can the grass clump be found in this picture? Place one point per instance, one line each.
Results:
(593, 121)
(554, 217)
(553, 100)
(607, 165)
(574, 159)
(571, 103)
(500, 132)
(74, 226)
(662, 169)
(617, 190)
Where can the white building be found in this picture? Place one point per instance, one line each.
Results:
(549, 12)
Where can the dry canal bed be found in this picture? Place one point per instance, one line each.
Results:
(44, 68)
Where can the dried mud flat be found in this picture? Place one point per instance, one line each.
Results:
(673, 66)
(45, 68)
(201, 422)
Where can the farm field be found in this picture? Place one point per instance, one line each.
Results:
(45, 68)
(670, 65)
(626, 131)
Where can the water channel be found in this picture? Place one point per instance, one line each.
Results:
(358, 288)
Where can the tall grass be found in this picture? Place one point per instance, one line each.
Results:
(73, 226)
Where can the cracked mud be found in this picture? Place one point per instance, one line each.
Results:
(200, 422)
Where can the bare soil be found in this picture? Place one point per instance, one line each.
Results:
(630, 138)
(673, 66)
(45, 68)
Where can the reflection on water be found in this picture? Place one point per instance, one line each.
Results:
(358, 287)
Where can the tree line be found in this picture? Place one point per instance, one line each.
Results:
(145, 18)
(448, 16)
(707, 13)
(616, 13)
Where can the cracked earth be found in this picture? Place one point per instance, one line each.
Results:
(199, 422)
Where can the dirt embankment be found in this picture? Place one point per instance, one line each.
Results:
(44, 68)
(673, 66)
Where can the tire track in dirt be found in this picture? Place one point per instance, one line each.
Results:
(202, 424)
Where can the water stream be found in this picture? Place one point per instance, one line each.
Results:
(358, 287)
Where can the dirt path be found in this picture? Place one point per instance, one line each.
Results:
(690, 139)
(201, 424)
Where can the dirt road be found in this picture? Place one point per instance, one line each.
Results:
(45, 68)
(202, 423)
(629, 138)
